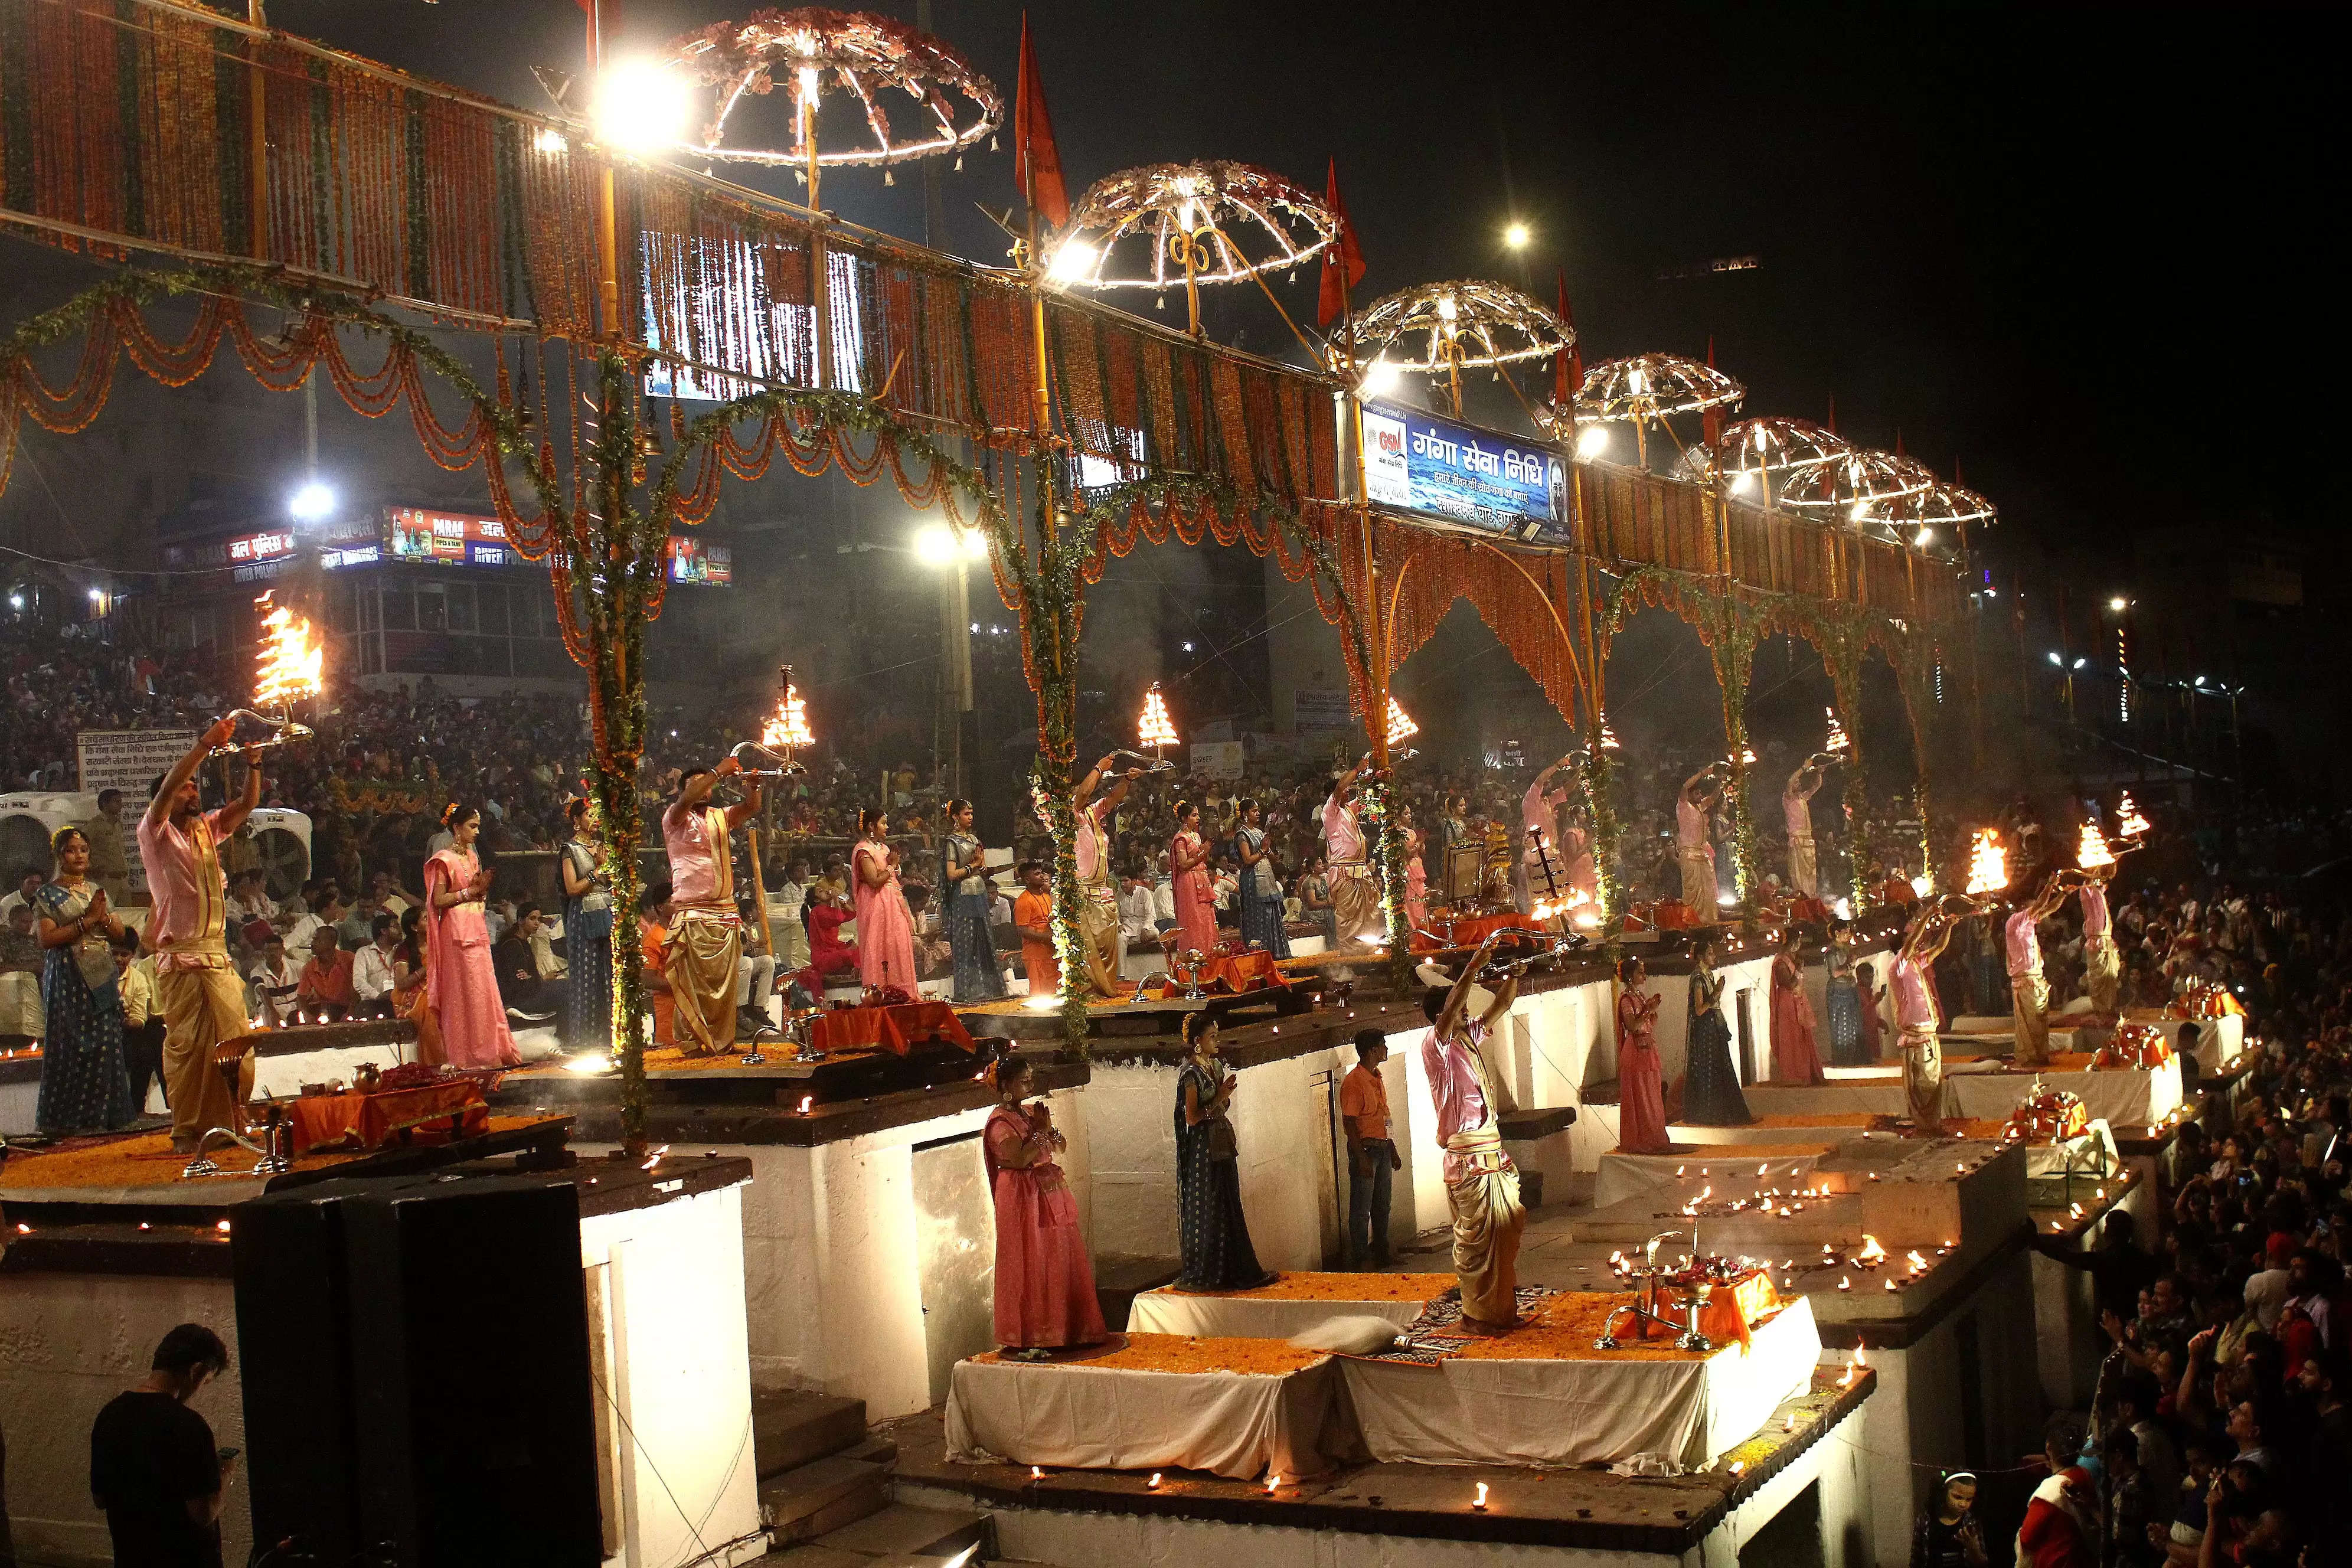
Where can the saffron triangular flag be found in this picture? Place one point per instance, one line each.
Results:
(1036, 161)
(1832, 413)
(1344, 252)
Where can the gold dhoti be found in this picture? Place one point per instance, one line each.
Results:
(202, 1007)
(2102, 970)
(1804, 874)
(1923, 1078)
(1487, 1220)
(1356, 906)
(2029, 996)
(700, 962)
(1698, 883)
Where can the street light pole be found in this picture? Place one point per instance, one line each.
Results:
(955, 634)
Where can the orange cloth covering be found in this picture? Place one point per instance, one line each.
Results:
(1179, 1352)
(1231, 973)
(369, 1121)
(1470, 931)
(898, 1028)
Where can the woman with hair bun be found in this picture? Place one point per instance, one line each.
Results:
(587, 931)
(886, 928)
(1212, 1232)
(461, 984)
(85, 1078)
(1641, 1090)
(963, 907)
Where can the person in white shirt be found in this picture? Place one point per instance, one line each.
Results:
(1163, 896)
(24, 894)
(1138, 911)
(371, 975)
(246, 903)
(273, 982)
(328, 912)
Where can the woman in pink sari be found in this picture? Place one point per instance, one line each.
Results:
(1188, 858)
(886, 931)
(1416, 876)
(1641, 1089)
(1045, 1283)
(461, 984)
(1794, 1059)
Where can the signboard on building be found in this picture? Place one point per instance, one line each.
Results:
(247, 557)
(128, 760)
(449, 538)
(1318, 708)
(701, 565)
(1457, 473)
(1218, 759)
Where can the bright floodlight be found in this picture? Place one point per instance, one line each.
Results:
(1922, 886)
(311, 503)
(1592, 441)
(1381, 378)
(1073, 259)
(548, 139)
(2056, 661)
(641, 107)
(2119, 604)
(1516, 237)
(935, 544)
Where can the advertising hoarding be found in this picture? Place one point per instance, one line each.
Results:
(1477, 478)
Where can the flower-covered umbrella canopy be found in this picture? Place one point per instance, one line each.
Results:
(1755, 453)
(1652, 388)
(1856, 481)
(1929, 518)
(1169, 225)
(874, 60)
(1444, 329)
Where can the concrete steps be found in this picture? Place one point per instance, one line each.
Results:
(896, 1537)
(792, 1426)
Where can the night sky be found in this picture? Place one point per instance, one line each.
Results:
(2078, 251)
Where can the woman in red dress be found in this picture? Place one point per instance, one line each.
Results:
(1641, 1081)
(1794, 1059)
(1044, 1281)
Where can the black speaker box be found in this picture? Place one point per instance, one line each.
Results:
(415, 1364)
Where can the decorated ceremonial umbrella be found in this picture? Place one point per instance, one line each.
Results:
(1206, 222)
(811, 51)
(1750, 455)
(1924, 519)
(1647, 389)
(1444, 329)
(1856, 483)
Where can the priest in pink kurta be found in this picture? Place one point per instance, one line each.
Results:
(1482, 1185)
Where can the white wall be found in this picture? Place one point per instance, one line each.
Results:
(675, 1317)
(70, 1342)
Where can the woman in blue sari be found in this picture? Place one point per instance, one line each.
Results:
(964, 900)
(85, 1078)
(1261, 895)
(587, 934)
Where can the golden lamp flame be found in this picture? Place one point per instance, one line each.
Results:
(1988, 863)
(789, 725)
(2129, 823)
(1838, 744)
(1154, 728)
(1400, 724)
(292, 657)
(1871, 1252)
(1608, 737)
(2094, 852)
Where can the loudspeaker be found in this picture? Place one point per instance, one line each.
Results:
(415, 1365)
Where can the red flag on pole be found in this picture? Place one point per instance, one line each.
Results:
(1568, 365)
(1036, 161)
(1711, 421)
(1343, 252)
(1832, 413)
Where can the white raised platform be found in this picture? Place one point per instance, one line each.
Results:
(1268, 1313)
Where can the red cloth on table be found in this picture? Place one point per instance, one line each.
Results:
(369, 1121)
(892, 1029)
(1731, 1312)
(1471, 930)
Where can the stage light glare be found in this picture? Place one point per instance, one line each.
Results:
(1592, 441)
(1041, 1001)
(548, 139)
(2119, 604)
(1517, 236)
(1073, 259)
(1924, 538)
(1922, 886)
(975, 546)
(2056, 661)
(642, 108)
(1742, 483)
(1381, 378)
(592, 1062)
(935, 544)
(312, 502)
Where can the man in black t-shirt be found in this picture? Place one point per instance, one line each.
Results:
(152, 1466)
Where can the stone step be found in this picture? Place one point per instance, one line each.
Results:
(902, 1531)
(879, 1448)
(822, 1495)
(790, 1426)
(1121, 1276)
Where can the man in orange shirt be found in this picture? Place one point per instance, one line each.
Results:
(653, 935)
(325, 989)
(1373, 1154)
(1032, 916)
